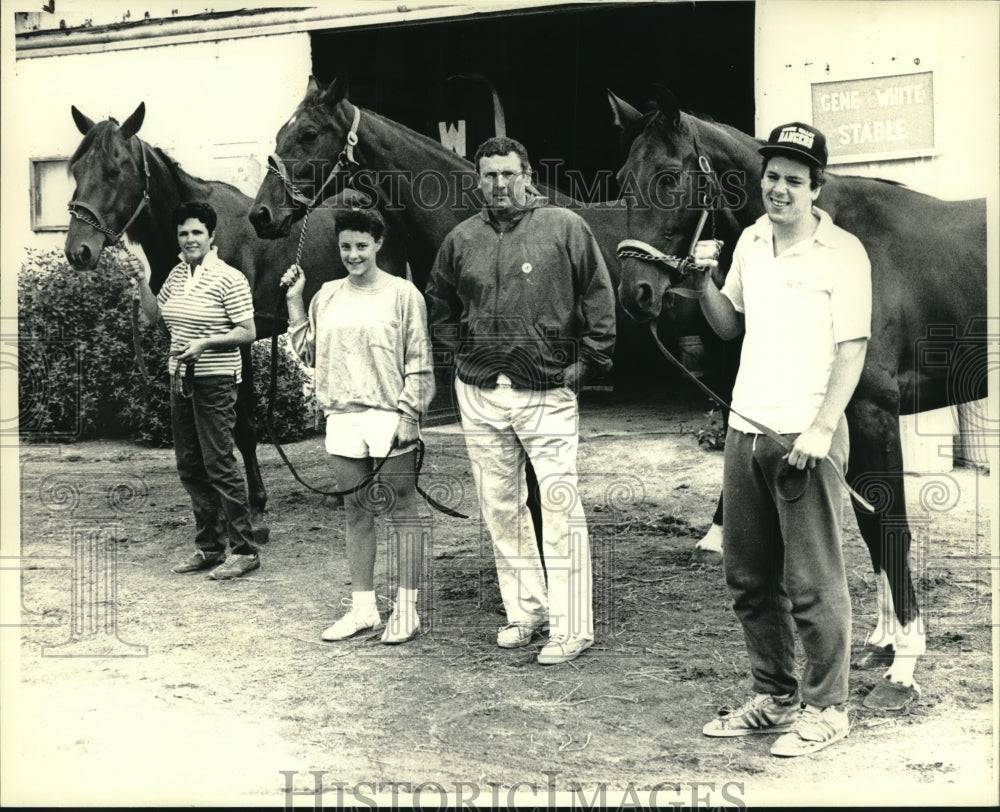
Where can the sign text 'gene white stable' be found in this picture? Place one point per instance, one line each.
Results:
(878, 118)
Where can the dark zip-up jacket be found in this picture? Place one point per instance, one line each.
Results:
(526, 298)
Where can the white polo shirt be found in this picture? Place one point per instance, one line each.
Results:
(798, 306)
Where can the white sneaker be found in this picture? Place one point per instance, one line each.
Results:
(814, 730)
(351, 624)
(563, 649)
(401, 627)
(763, 713)
(515, 635)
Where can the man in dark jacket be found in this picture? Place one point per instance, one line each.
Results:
(520, 301)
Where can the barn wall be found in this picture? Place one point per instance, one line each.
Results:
(202, 106)
(249, 84)
(215, 105)
(235, 91)
(801, 43)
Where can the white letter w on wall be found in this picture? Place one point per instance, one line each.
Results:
(453, 137)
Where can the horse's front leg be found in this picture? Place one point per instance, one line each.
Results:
(722, 378)
(876, 472)
(245, 435)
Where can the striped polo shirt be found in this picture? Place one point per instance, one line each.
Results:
(209, 302)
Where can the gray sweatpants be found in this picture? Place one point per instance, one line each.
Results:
(785, 568)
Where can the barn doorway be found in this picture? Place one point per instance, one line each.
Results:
(550, 68)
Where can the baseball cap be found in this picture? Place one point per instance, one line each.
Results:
(797, 140)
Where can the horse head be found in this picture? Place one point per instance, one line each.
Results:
(111, 187)
(674, 181)
(300, 173)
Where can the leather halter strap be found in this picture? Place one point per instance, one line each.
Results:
(89, 215)
(276, 166)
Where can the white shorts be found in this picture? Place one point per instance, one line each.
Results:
(362, 434)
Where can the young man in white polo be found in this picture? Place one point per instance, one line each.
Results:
(800, 287)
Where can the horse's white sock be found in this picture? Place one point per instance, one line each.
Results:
(406, 601)
(404, 620)
(712, 540)
(909, 644)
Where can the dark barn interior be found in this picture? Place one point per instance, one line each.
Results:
(551, 68)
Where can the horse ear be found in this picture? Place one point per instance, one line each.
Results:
(669, 108)
(335, 92)
(625, 114)
(134, 121)
(83, 124)
(312, 88)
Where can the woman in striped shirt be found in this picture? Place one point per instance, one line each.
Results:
(208, 309)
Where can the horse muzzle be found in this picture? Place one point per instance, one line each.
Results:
(83, 254)
(639, 298)
(269, 223)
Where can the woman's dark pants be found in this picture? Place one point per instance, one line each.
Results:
(203, 444)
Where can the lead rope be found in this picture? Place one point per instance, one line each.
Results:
(183, 382)
(140, 360)
(763, 429)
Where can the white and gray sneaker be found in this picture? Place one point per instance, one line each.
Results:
(764, 713)
(815, 729)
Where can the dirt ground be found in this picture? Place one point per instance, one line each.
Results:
(140, 687)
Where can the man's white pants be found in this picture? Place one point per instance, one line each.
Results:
(500, 426)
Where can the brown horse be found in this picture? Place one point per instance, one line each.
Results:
(125, 187)
(928, 343)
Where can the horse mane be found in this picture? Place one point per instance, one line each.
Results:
(638, 126)
(706, 117)
(760, 142)
(314, 100)
(878, 180)
(100, 132)
(173, 167)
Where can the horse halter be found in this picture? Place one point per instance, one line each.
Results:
(89, 215)
(637, 249)
(276, 166)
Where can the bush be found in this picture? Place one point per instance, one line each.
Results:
(293, 408)
(713, 435)
(78, 376)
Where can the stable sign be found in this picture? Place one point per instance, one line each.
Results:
(876, 119)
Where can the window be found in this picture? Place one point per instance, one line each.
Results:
(236, 162)
(51, 190)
